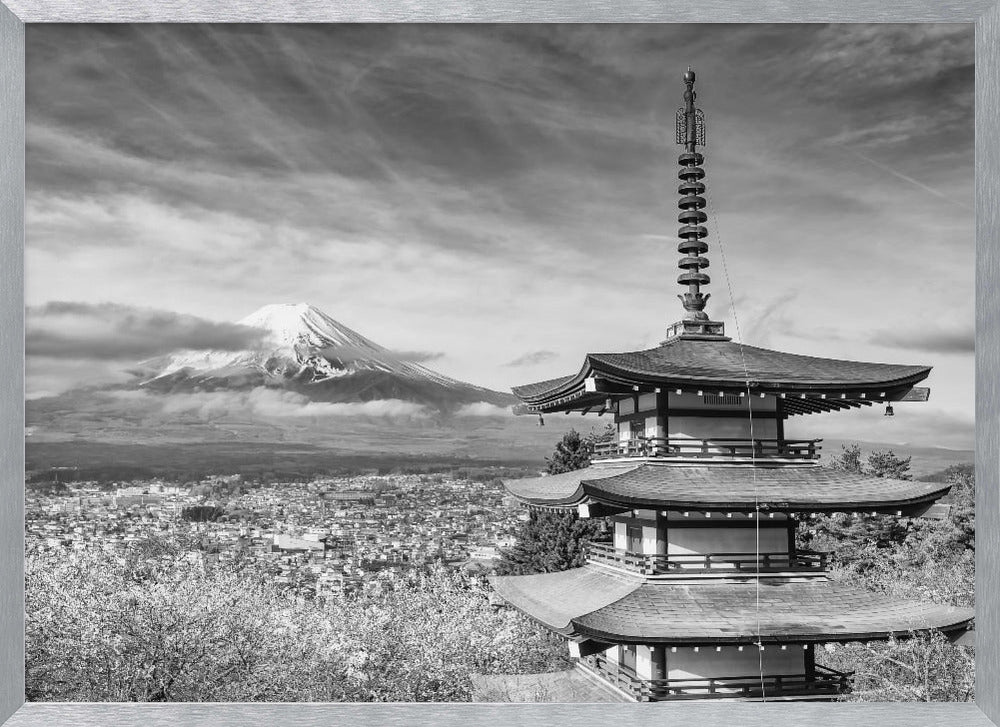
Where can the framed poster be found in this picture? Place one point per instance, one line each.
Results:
(13, 18)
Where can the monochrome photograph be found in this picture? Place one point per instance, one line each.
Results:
(499, 363)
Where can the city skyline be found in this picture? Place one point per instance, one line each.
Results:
(502, 199)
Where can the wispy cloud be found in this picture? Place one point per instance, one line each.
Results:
(483, 409)
(348, 353)
(263, 402)
(761, 321)
(957, 340)
(532, 358)
(906, 178)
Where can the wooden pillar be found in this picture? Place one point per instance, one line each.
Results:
(662, 415)
(661, 533)
(659, 661)
(779, 418)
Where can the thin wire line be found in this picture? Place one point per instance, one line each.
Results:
(753, 449)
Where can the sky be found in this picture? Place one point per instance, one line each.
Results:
(503, 199)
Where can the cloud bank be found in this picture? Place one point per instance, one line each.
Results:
(112, 331)
(264, 403)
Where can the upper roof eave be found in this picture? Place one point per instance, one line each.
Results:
(837, 379)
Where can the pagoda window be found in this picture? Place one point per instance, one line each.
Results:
(722, 399)
(726, 401)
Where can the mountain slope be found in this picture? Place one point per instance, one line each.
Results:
(304, 350)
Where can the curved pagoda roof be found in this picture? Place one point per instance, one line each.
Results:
(716, 363)
(592, 602)
(807, 488)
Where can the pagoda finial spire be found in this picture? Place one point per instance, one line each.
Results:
(691, 133)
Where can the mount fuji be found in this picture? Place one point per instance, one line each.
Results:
(302, 349)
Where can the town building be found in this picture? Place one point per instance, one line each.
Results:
(701, 592)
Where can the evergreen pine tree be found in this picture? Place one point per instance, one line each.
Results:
(550, 540)
(572, 453)
(555, 540)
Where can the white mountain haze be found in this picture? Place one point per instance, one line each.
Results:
(305, 389)
(303, 380)
(304, 350)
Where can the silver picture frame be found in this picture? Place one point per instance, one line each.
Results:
(14, 14)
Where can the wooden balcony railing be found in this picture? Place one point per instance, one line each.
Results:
(821, 682)
(715, 448)
(651, 564)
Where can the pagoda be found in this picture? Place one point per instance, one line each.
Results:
(701, 591)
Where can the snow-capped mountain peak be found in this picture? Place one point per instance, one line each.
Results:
(301, 324)
(301, 347)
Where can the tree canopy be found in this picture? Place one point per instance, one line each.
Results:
(130, 629)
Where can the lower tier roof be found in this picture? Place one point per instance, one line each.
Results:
(591, 602)
(733, 487)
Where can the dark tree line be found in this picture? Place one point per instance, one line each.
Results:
(202, 513)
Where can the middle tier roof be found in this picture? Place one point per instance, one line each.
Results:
(805, 488)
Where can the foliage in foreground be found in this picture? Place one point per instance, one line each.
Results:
(908, 559)
(102, 627)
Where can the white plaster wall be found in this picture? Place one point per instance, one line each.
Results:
(730, 662)
(626, 406)
(621, 536)
(647, 402)
(650, 543)
(611, 654)
(720, 427)
(725, 540)
(644, 662)
(624, 431)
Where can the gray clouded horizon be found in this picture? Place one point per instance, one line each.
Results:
(112, 331)
(426, 184)
(532, 357)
